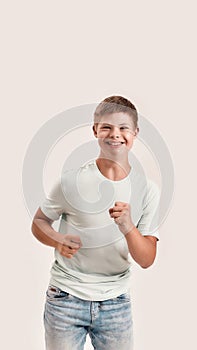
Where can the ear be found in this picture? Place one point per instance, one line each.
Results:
(136, 132)
(94, 130)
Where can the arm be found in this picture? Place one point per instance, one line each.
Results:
(67, 245)
(142, 248)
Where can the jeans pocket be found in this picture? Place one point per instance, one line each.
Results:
(125, 297)
(56, 293)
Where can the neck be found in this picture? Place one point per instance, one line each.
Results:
(113, 169)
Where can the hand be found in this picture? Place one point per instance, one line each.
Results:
(121, 213)
(69, 245)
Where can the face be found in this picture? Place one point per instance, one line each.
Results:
(115, 133)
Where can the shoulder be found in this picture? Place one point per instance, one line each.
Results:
(71, 176)
(144, 186)
(85, 168)
(152, 187)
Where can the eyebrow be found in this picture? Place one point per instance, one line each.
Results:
(113, 124)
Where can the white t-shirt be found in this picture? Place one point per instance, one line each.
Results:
(100, 270)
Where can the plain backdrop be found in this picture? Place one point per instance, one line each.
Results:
(59, 54)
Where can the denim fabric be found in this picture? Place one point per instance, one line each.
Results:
(69, 319)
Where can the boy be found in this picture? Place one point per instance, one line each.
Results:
(107, 215)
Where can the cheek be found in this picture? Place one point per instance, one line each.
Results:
(129, 142)
(100, 142)
(101, 134)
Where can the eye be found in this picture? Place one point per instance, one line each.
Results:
(105, 127)
(124, 127)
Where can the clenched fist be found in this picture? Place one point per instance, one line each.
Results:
(69, 245)
(121, 213)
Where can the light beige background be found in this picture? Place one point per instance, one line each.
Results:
(60, 54)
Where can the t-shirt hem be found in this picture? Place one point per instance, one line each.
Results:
(153, 234)
(48, 213)
(87, 296)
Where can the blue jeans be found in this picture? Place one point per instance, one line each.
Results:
(68, 320)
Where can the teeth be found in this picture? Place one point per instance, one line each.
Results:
(115, 143)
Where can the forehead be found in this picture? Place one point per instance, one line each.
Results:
(116, 119)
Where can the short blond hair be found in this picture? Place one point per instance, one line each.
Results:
(116, 104)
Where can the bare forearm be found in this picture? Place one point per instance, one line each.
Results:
(67, 245)
(141, 248)
(43, 231)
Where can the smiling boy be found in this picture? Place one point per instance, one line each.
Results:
(100, 230)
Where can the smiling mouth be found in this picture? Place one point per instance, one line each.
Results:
(113, 143)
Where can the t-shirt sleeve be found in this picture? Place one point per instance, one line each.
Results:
(149, 221)
(54, 204)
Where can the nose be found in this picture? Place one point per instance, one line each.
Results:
(115, 132)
